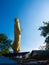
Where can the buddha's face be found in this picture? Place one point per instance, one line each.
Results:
(16, 20)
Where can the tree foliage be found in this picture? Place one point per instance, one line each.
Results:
(45, 33)
(44, 29)
(5, 43)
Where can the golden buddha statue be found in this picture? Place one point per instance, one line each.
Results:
(17, 35)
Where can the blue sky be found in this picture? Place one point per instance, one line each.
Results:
(31, 14)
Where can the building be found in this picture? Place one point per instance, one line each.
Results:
(40, 54)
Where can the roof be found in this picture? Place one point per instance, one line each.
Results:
(40, 51)
(40, 54)
(15, 54)
(5, 60)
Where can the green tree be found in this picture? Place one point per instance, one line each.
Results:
(5, 44)
(45, 33)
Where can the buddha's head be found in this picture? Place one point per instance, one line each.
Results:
(16, 20)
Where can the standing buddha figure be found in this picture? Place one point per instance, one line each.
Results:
(17, 36)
